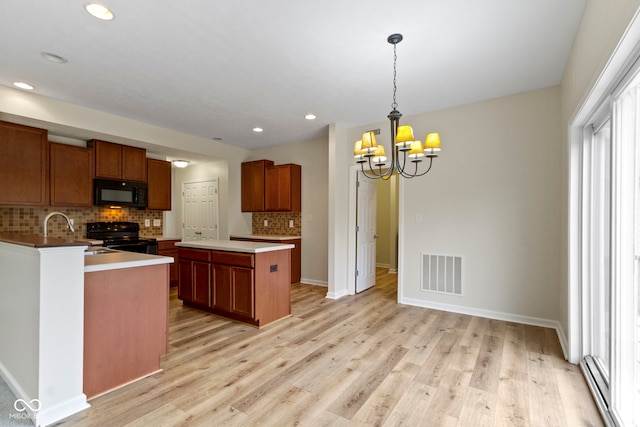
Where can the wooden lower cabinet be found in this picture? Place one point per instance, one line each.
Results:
(168, 248)
(233, 289)
(252, 288)
(194, 272)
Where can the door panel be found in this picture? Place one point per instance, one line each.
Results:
(200, 210)
(366, 233)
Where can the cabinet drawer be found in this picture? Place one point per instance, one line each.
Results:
(230, 258)
(164, 245)
(194, 254)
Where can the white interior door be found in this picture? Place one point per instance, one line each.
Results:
(200, 210)
(365, 233)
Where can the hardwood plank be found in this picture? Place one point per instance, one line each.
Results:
(348, 403)
(486, 372)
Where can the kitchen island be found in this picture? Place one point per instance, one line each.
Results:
(245, 281)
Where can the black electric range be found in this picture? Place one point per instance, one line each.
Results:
(123, 236)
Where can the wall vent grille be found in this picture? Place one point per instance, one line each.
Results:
(442, 273)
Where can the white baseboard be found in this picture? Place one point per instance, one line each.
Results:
(314, 282)
(382, 265)
(47, 415)
(336, 295)
(496, 315)
(62, 410)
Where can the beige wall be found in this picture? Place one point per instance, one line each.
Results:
(383, 217)
(493, 199)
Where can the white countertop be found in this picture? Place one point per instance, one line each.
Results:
(265, 237)
(121, 259)
(164, 238)
(235, 246)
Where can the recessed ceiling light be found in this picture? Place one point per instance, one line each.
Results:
(53, 58)
(99, 11)
(23, 85)
(310, 117)
(256, 129)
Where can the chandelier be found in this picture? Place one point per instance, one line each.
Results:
(407, 153)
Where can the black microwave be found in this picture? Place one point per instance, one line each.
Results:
(111, 192)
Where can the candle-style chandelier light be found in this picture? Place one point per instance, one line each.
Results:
(407, 153)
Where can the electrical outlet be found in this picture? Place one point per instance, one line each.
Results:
(157, 222)
(147, 223)
(266, 222)
(290, 223)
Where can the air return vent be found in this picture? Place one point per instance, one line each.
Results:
(442, 273)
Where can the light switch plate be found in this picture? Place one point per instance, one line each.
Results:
(157, 223)
(290, 223)
(266, 222)
(147, 223)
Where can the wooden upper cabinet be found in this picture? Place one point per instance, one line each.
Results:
(71, 175)
(159, 182)
(115, 161)
(134, 164)
(283, 188)
(24, 165)
(253, 185)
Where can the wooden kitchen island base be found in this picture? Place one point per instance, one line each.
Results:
(245, 281)
(125, 326)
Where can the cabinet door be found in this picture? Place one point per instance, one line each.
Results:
(159, 185)
(108, 159)
(24, 165)
(253, 185)
(71, 175)
(283, 188)
(242, 290)
(202, 283)
(222, 287)
(134, 163)
(185, 280)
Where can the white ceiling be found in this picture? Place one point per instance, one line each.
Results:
(219, 68)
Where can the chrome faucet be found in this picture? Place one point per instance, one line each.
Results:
(46, 219)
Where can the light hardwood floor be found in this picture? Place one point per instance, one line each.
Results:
(361, 360)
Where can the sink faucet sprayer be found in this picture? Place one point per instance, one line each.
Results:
(46, 219)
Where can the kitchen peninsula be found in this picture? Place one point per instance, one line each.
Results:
(42, 317)
(245, 281)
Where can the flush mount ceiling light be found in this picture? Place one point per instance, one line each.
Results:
(258, 130)
(310, 117)
(99, 11)
(23, 85)
(405, 149)
(181, 163)
(53, 58)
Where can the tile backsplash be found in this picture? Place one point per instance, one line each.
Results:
(277, 223)
(29, 219)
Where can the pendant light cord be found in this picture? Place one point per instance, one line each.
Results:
(394, 105)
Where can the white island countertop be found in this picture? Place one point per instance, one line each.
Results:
(265, 237)
(121, 259)
(234, 246)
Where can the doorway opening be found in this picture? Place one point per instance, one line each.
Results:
(374, 215)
